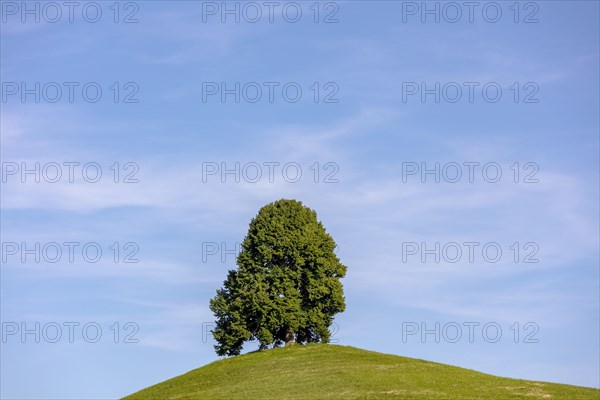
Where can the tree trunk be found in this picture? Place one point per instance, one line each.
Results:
(290, 339)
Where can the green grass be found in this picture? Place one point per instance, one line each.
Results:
(322, 371)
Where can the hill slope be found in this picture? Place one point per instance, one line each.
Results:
(340, 372)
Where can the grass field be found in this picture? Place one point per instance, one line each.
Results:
(339, 372)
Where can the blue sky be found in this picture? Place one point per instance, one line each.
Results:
(370, 133)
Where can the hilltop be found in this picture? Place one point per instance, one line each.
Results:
(321, 371)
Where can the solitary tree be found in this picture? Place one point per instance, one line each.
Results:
(287, 285)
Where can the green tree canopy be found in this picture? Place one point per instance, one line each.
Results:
(287, 285)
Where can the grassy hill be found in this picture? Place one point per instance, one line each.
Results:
(339, 372)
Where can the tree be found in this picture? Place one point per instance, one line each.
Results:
(287, 285)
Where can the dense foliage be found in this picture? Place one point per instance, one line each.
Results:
(287, 285)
